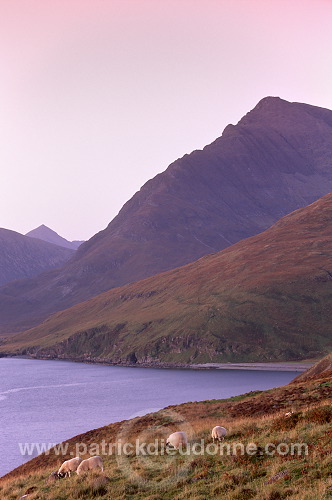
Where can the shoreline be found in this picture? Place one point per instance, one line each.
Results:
(282, 366)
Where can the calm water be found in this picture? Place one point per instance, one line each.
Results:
(50, 401)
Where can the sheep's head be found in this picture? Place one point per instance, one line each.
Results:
(54, 476)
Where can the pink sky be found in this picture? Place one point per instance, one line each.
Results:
(98, 96)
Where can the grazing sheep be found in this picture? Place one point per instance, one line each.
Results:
(91, 463)
(218, 432)
(177, 439)
(69, 466)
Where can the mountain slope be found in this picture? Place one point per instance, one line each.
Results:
(276, 159)
(267, 298)
(321, 369)
(22, 257)
(46, 234)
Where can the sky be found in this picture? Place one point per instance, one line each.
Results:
(98, 96)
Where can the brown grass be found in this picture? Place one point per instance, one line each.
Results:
(256, 418)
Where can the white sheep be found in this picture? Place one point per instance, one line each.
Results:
(91, 463)
(177, 440)
(69, 466)
(218, 432)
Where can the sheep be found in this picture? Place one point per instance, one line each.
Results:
(90, 464)
(218, 432)
(69, 466)
(177, 440)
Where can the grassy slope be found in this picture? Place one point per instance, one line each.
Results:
(322, 368)
(267, 298)
(252, 418)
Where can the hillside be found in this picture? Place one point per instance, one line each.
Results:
(275, 160)
(22, 257)
(46, 234)
(267, 298)
(284, 456)
(322, 368)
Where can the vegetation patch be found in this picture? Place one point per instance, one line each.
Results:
(286, 434)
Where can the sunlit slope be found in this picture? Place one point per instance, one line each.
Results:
(268, 297)
(322, 368)
(274, 161)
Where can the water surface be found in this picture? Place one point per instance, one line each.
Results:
(50, 401)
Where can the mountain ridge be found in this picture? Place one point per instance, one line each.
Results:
(275, 160)
(24, 257)
(258, 300)
(45, 233)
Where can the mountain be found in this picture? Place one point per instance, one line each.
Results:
(22, 257)
(266, 298)
(275, 160)
(46, 234)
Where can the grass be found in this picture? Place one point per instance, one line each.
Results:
(253, 418)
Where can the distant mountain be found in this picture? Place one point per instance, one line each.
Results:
(266, 298)
(46, 234)
(22, 257)
(275, 160)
